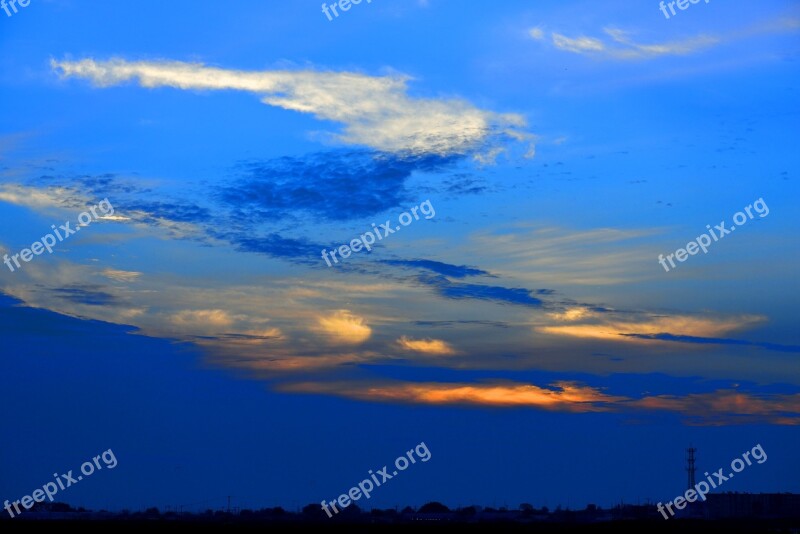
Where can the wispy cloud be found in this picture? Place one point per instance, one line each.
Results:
(714, 408)
(716, 341)
(727, 407)
(645, 328)
(636, 50)
(203, 319)
(563, 396)
(33, 197)
(619, 44)
(577, 44)
(121, 276)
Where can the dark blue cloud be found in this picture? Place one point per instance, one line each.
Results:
(90, 294)
(453, 290)
(335, 185)
(276, 246)
(447, 269)
(172, 211)
(715, 341)
(100, 185)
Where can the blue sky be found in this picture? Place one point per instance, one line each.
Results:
(525, 330)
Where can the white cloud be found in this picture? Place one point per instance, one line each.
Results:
(577, 44)
(673, 48)
(536, 33)
(54, 197)
(621, 46)
(375, 111)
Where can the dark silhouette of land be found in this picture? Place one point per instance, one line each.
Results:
(723, 512)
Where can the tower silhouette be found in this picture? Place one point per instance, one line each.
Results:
(690, 468)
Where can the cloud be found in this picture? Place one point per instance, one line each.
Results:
(451, 324)
(202, 319)
(244, 338)
(455, 290)
(88, 294)
(276, 246)
(334, 185)
(621, 46)
(344, 327)
(715, 341)
(31, 197)
(291, 363)
(648, 327)
(674, 329)
(559, 256)
(121, 276)
(573, 314)
(427, 346)
(577, 44)
(726, 407)
(562, 396)
(714, 408)
(176, 218)
(673, 48)
(375, 111)
(446, 269)
(182, 212)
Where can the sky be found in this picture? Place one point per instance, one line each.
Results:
(526, 173)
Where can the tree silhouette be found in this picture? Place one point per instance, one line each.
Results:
(433, 508)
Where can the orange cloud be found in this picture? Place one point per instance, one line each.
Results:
(566, 396)
(677, 325)
(573, 314)
(716, 408)
(344, 327)
(725, 407)
(427, 346)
